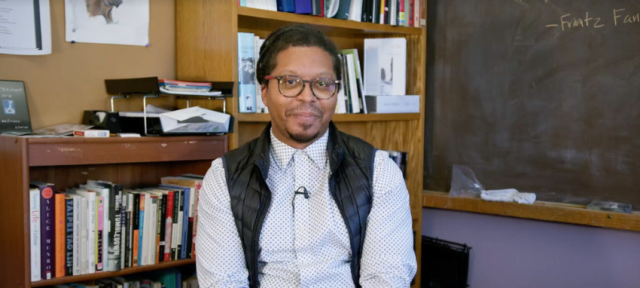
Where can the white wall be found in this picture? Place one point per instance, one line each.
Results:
(519, 253)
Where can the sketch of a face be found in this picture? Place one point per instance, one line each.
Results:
(83, 9)
(102, 8)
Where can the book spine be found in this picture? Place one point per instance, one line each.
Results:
(246, 73)
(69, 235)
(141, 229)
(76, 235)
(175, 229)
(136, 230)
(47, 228)
(168, 227)
(195, 220)
(99, 233)
(163, 227)
(123, 229)
(185, 223)
(130, 209)
(92, 230)
(83, 259)
(158, 224)
(61, 228)
(115, 230)
(91, 133)
(34, 225)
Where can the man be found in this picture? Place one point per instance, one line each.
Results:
(304, 205)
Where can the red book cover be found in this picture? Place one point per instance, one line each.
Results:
(60, 235)
(168, 222)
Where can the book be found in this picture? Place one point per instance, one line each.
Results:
(91, 133)
(286, 6)
(385, 66)
(99, 240)
(89, 218)
(69, 224)
(303, 7)
(77, 228)
(246, 73)
(60, 129)
(60, 234)
(15, 111)
(34, 232)
(47, 228)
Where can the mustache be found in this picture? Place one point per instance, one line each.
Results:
(305, 108)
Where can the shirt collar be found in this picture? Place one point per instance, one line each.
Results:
(283, 153)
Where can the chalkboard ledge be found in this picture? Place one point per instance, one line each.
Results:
(545, 211)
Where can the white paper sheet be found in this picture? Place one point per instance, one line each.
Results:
(124, 22)
(25, 27)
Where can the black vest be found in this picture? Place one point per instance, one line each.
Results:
(351, 185)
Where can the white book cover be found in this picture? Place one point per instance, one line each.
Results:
(355, 11)
(246, 73)
(151, 235)
(353, 84)
(34, 221)
(91, 227)
(84, 236)
(385, 66)
(76, 233)
(260, 108)
(105, 193)
(146, 228)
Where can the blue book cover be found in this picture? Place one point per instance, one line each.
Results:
(246, 73)
(286, 6)
(303, 7)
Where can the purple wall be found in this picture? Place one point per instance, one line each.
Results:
(511, 252)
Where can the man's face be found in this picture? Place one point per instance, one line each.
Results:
(302, 119)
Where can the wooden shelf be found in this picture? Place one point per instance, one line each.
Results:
(83, 151)
(264, 117)
(101, 275)
(272, 16)
(545, 211)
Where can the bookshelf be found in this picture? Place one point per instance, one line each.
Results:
(206, 50)
(66, 162)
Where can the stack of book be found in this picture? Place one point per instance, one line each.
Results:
(407, 13)
(101, 226)
(169, 278)
(186, 88)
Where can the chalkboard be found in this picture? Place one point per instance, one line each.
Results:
(538, 95)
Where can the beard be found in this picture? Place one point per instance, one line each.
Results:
(305, 136)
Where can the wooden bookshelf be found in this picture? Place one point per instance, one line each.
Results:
(206, 50)
(67, 162)
(101, 275)
(264, 117)
(246, 14)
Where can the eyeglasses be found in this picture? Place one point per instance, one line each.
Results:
(292, 86)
